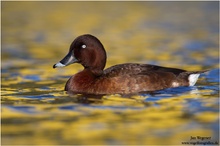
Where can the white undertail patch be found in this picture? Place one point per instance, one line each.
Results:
(192, 79)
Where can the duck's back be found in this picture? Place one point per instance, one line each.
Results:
(134, 78)
(134, 69)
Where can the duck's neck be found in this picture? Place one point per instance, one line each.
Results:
(96, 62)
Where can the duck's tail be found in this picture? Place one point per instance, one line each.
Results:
(191, 76)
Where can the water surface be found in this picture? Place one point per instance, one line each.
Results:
(35, 108)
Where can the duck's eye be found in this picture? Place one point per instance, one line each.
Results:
(83, 46)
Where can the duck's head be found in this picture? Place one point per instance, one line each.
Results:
(88, 51)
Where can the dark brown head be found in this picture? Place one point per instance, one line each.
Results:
(88, 51)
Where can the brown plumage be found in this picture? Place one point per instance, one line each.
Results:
(122, 78)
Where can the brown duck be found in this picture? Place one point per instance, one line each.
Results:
(128, 78)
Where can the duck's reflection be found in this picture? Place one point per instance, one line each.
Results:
(78, 98)
(88, 99)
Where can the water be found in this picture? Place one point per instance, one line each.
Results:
(35, 108)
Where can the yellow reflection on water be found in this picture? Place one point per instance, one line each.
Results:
(36, 35)
(86, 125)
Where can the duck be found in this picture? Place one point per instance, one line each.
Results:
(127, 78)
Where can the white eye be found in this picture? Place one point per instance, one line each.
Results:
(83, 46)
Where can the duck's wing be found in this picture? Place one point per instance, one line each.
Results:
(150, 77)
(148, 67)
(139, 69)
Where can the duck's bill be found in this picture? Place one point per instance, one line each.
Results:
(58, 65)
(67, 60)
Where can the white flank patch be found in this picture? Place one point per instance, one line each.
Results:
(192, 79)
(175, 84)
(59, 65)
